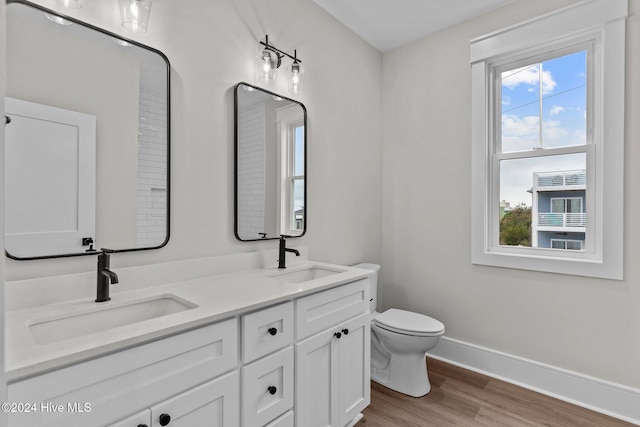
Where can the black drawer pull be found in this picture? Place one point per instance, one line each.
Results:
(165, 419)
(337, 335)
(272, 389)
(272, 331)
(142, 425)
(345, 331)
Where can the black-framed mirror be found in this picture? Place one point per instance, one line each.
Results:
(87, 150)
(270, 165)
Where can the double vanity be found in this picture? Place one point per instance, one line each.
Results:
(183, 343)
(261, 347)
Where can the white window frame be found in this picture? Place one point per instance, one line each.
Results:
(287, 120)
(601, 23)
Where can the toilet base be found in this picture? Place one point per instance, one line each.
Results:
(406, 373)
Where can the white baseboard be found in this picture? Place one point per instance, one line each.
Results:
(609, 398)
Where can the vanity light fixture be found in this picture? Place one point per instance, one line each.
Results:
(135, 14)
(70, 4)
(268, 61)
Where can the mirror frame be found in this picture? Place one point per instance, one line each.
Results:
(235, 154)
(168, 70)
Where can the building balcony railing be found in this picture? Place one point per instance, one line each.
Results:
(561, 178)
(562, 220)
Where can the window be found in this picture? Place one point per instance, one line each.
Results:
(295, 179)
(292, 180)
(564, 244)
(543, 143)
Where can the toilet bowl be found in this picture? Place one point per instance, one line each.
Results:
(399, 342)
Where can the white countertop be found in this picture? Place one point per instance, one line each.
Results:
(217, 298)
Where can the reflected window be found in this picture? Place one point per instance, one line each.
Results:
(293, 217)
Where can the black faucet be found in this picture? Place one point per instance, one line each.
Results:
(105, 276)
(283, 250)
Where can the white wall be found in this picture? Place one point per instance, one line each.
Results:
(585, 325)
(211, 46)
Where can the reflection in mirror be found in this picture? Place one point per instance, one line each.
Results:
(87, 149)
(270, 156)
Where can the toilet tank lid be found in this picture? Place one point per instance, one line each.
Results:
(408, 321)
(368, 266)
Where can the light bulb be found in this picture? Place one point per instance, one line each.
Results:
(268, 62)
(296, 78)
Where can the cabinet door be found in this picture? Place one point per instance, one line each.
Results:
(212, 404)
(317, 381)
(354, 353)
(141, 419)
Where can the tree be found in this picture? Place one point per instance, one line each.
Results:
(515, 227)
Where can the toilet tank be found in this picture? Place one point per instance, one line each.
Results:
(374, 283)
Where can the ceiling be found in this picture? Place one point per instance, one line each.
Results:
(388, 24)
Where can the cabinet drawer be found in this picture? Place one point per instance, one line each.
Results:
(284, 421)
(266, 331)
(125, 382)
(212, 404)
(267, 388)
(320, 311)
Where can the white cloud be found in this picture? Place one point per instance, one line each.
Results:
(556, 109)
(529, 75)
(523, 133)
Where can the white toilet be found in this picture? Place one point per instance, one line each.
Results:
(399, 342)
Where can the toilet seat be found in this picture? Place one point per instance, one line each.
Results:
(408, 323)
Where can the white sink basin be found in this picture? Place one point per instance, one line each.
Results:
(104, 317)
(307, 274)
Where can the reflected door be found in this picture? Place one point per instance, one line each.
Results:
(50, 178)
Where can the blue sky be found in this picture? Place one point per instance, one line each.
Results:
(563, 87)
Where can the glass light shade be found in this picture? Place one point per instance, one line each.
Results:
(71, 4)
(267, 63)
(135, 15)
(296, 78)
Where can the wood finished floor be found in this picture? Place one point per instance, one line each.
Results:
(460, 397)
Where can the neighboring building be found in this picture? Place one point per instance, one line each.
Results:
(504, 208)
(558, 217)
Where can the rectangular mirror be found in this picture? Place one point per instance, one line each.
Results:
(270, 165)
(87, 146)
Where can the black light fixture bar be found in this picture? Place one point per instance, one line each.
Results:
(280, 52)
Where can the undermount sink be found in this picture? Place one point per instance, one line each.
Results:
(307, 274)
(101, 318)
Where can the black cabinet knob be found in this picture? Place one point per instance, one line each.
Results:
(345, 331)
(272, 331)
(142, 425)
(337, 335)
(272, 389)
(165, 419)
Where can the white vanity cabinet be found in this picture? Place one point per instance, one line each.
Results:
(303, 362)
(130, 381)
(332, 365)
